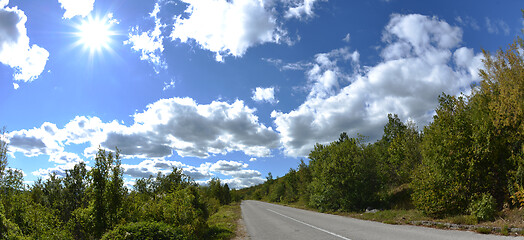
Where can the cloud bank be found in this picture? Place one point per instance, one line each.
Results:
(421, 59)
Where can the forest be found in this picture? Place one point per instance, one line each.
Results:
(468, 160)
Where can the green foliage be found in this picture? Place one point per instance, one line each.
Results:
(441, 183)
(182, 208)
(344, 176)
(144, 230)
(108, 190)
(484, 208)
(8, 230)
(219, 191)
(81, 225)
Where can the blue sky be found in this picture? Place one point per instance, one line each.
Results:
(230, 89)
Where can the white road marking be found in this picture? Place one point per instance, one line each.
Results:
(309, 225)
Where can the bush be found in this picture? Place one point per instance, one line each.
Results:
(484, 207)
(144, 230)
(8, 229)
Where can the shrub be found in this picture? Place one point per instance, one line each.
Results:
(484, 207)
(144, 230)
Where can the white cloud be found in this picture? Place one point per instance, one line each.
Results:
(63, 161)
(468, 21)
(300, 9)
(420, 61)
(36, 141)
(241, 177)
(65, 158)
(149, 43)
(169, 85)
(325, 75)
(152, 167)
(264, 94)
(347, 38)
(227, 27)
(497, 26)
(28, 61)
(252, 159)
(169, 125)
(237, 183)
(76, 7)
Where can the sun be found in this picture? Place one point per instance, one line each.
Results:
(95, 34)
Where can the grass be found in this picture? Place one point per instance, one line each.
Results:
(392, 216)
(223, 223)
(483, 230)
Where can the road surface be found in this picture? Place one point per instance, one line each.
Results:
(270, 221)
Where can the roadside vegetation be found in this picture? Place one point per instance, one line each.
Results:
(465, 167)
(94, 204)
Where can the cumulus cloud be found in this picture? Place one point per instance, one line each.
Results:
(242, 177)
(149, 43)
(169, 125)
(36, 141)
(227, 27)
(237, 183)
(28, 61)
(199, 130)
(65, 158)
(264, 95)
(325, 75)
(63, 161)
(76, 7)
(152, 167)
(420, 60)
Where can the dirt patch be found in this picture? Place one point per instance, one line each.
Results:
(241, 232)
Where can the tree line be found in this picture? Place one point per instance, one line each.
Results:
(95, 204)
(468, 160)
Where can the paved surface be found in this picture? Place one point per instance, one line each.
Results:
(270, 221)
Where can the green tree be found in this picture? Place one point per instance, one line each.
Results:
(501, 93)
(344, 176)
(75, 187)
(440, 185)
(107, 190)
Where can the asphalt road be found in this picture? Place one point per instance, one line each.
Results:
(270, 221)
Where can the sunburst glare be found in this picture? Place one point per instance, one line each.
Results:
(95, 33)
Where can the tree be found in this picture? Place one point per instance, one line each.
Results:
(107, 190)
(115, 191)
(344, 176)
(501, 94)
(441, 183)
(3, 152)
(75, 186)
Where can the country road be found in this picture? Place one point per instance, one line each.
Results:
(270, 221)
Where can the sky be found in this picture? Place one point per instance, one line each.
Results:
(229, 89)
